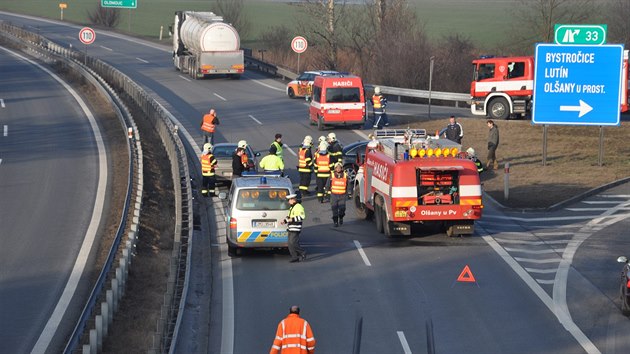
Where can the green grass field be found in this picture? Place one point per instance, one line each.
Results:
(483, 21)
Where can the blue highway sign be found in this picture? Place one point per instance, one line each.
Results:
(577, 84)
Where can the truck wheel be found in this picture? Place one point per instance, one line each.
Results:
(499, 108)
(361, 210)
(320, 124)
(290, 92)
(387, 225)
(450, 231)
(378, 215)
(232, 251)
(235, 76)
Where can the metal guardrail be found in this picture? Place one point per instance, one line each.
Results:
(253, 63)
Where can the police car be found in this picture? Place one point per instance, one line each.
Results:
(256, 206)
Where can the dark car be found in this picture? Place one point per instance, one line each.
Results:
(350, 153)
(223, 153)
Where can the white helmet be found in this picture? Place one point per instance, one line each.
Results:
(377, 90)
(321, 138)
(470, 151)
(212, 111)
(323, 147)
(332, 136)
(242, 144)
(207, 147)
(308, 140)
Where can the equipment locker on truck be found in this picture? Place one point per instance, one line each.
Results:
(410, 178)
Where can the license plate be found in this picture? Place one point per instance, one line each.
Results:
(333, 111)
(266, 224)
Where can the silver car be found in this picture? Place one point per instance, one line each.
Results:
(255, 207)
(223, 153)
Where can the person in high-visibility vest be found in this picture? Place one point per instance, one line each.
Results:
(305, 164)
(294, 220)
(209, 124)
(276, 146)
(322, 170)
(294, 335)
(208, 164)
(379, 102)
(272, 163)
(338, 187)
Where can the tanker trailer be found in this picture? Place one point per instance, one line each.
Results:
(205, 45)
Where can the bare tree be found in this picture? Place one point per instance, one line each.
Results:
(232, 12)
(535, 20)
(619, 22)
(321, 20)
(452, 64)
(105, 16)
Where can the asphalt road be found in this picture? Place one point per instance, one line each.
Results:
(539, 285)
(49, 180)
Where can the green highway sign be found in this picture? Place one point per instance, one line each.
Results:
(126, 4)
(580, 34)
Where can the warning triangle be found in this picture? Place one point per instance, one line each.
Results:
(466, 275)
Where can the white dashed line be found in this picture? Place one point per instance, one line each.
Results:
(255, 120)
(185, 78)
(543, 271)
(362, 253)
(220, 97)
(142, 60)
(6, 130)
(531, 243)
(110, 49)
(538, 261)
(289, 149)
(2, 103)
(523, 250)
(403, 342)
(544, 281)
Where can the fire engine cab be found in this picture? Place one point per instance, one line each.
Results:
(410, 178)
(504, 86)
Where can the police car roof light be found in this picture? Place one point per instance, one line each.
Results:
(263, 180)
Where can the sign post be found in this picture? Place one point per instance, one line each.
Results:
(299, 45)
(62, 5)
(87, 37)
(577, 85)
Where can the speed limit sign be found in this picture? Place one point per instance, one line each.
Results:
(299, 44)
(87, 35)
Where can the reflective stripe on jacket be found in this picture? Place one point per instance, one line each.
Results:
(208, 162)
(336, 151)
(322, 164)
(278, 147)
(295, 217)
(338, 184)
(293, 336)
(208, 123)
(305, 160)
(376, 101)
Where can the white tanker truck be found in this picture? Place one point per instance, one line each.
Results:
(205, 45)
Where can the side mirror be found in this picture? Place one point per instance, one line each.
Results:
(222, 195)
(622, 259)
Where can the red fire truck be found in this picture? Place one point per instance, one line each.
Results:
(503, 87)
(410, 178)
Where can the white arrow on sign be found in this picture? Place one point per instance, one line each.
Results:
(583, 108)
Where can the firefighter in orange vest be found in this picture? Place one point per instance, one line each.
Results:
(208, 125)
(305, 164)
(322, 170)
(338, 187)
(208, 164)
(294, 335)
(379, 102)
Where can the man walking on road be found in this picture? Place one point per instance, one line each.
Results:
(294, 335)
(493, 144)
(294, 220)
(208, 125)
(338, 188)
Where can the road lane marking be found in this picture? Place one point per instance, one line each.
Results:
(537, 270)
(2, 103)
(142, 60)
(361, 134)
(545, 281)
(255, 120)
(110, 49)
(403, 342)
(78, 268)
(220, 97)
(556, 218)
(522, 250)
(363, 255)
(600, 201)
(538, 261)
(185, 78)
(622, 196)
(532, 243)
(586, 209)
(6, 130)
(289, 149)
(266, 85)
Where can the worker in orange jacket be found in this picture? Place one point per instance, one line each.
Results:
(294, 335)
(209, 124)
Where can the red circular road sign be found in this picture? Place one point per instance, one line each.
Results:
(87, 35)
(299, 44)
